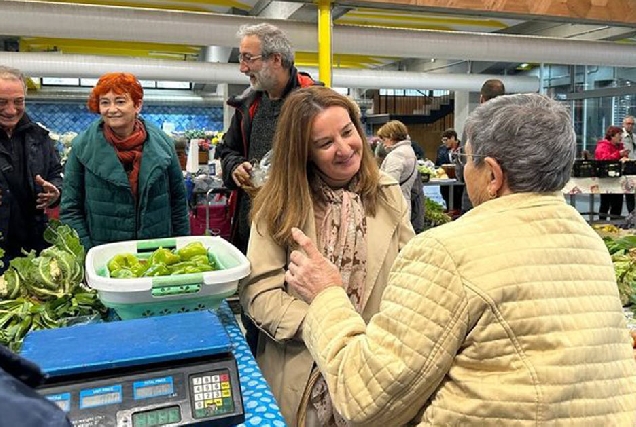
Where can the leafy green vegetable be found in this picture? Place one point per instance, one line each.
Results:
(434, 213)
(65, 238)
(42, 291)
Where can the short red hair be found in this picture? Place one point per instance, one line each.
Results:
(611, 131)
(119, 83)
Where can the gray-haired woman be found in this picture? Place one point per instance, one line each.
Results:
(509, 315)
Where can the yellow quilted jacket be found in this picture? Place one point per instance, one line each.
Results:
(507, 317)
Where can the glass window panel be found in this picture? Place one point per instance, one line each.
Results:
(173, 85)
(88, 82)
(60, 81)
(148, 84)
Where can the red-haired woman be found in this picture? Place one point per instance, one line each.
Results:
(611, 148)
(122, 179)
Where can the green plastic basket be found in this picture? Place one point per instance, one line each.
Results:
(160, 295)
(137, 310)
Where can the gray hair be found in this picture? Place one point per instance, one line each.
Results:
(8, 73)
(530, 135)
(273, 40)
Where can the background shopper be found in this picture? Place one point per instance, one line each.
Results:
(629, 144)
(611, 148)
(400, 162)
(491, 89)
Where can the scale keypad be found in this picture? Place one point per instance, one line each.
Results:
(211, 394)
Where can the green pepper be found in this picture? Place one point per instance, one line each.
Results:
(140, 268)
(205, 267)
(186, 267)
(158, 269)
(192, 249)
(203, 261)
(164, 256)
(125, 260)
(122, 273)
(179, 268)
(192, 269)
(200, 259)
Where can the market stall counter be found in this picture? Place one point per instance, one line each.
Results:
(591, 186)
(190, 368)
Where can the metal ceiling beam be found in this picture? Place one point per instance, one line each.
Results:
(602, 93)
(279, 10)
(586, 32)
(56, 65)
(112, 23)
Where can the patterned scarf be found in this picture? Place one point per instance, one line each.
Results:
(129, 151)
(342, 239)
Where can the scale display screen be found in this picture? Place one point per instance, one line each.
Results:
(157, 417)
(146, 389)
(100, 396)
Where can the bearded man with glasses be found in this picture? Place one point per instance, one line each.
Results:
(267, 58)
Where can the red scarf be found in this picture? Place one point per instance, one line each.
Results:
(129, 151)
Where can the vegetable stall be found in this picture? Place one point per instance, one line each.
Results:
(621, 245)
(135, 333)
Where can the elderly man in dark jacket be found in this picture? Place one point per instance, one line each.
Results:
(20, 404)
(30, 171)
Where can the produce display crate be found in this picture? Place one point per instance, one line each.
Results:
(584, 168)
(608, 169)
(161, 295)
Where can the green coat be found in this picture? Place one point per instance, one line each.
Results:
(97, 200)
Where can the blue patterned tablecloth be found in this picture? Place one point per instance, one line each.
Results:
(260, 406)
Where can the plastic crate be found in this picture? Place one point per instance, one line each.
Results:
(608, 169)
(584, 168)
(161, 295)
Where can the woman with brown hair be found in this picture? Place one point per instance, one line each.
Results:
(323, 179)
(400, 162)
(122, 179)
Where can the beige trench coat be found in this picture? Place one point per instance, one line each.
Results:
(279, 313)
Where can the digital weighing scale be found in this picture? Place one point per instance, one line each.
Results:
(170, 370)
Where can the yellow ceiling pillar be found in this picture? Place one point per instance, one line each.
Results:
(324, 41)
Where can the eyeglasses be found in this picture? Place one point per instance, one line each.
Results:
(629, 123)
(248, 58)
(460, 156)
